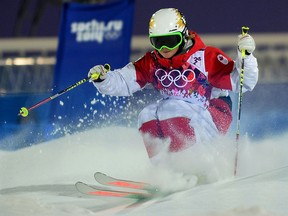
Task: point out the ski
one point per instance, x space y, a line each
100 191
110 181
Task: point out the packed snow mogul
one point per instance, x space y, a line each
194 80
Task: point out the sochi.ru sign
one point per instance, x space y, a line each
95 30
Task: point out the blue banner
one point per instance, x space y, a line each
90 34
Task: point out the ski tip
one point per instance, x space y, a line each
111 181
99 174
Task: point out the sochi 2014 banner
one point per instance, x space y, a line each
90 34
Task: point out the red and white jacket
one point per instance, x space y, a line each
200 74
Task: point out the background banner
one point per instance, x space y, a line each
90 34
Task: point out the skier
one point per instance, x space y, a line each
194 80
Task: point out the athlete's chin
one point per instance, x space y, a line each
166 55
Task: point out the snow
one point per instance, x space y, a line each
39 180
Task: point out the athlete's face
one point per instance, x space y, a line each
166 53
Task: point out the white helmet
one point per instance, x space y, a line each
165 21
167 29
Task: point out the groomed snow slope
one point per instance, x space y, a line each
40 180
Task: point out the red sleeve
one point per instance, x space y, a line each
219 66
144 69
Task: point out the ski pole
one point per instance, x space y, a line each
25 111
240 99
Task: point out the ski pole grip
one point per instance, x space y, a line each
245 30
107 67
95 76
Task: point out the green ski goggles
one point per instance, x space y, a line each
169 41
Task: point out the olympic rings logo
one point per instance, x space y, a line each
176 77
